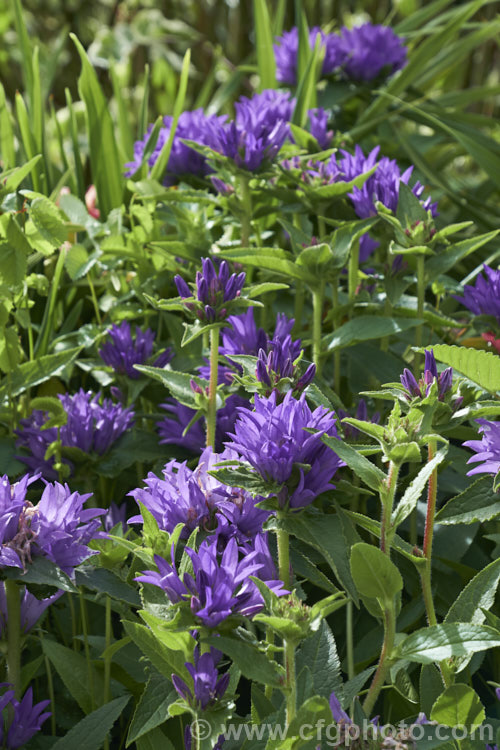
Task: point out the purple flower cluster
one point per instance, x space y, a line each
213 291
123 351
487 449
318 127
484 297
31 609
90 426
208 687
58 527
171 428
360 54
220 585
26 719
275 441
277 364
258 132
183 160
421 389
195 498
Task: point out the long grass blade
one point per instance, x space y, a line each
7 143
125 131
24 46
27 139
160 165
73 129
144 111
264 41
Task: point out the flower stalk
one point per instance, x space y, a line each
13 597
212 388
318 294
283 540
385 660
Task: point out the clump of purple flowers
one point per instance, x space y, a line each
195 498
370 49
275 441
360 54
220 585
183 160
484 297
286 50
487 449
91 426
58 527
421 388
208 687
123 351
26 721
214 291
259 130
172 429
277 364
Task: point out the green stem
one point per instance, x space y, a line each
336 353
268 691
420 306
321 228
298 307
384 663
90 674
94 299
353 271
212 388
283 540
387 499
107 659
349 640
246 218
318 293
13 598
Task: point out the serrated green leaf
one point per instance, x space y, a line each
319 653
438 642
479 502
152 709
178 383
458 705
33 373
374 574
365 328
412 493
370 474
252 662
90 732
479 366
73 670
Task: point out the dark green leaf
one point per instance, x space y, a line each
90 732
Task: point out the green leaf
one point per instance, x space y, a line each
44 573
264 45
400 545
160 165
374 574
136 446
48 221
438 642
412 493
106 166
261 706
458 705
270 259
9 348
163 659
90 732
479 366
324 533
152 709
370 474
430 687
479 502
13 264
367 327
178 383
252 662
154 740
33 373
452 255
319 653
73 670
107 582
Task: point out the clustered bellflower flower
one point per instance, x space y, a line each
274 440
487 449
58 527
214 290
195 498
208 687
258 131
27 719
359 54
184 160
421 388
91 426
484 297
278 363
123 351
220 585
